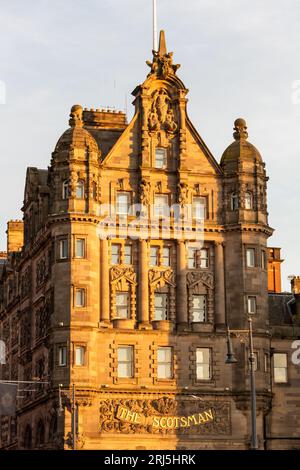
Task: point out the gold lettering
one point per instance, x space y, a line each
192 419
170 422
121 413
161 423
137 418
130 416
209 415
176 419
155 422
183 422
201 419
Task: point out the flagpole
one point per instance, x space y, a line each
155 26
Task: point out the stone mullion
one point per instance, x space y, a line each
172 309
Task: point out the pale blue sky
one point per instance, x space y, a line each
238 58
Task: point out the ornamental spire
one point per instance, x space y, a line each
240 129
162 65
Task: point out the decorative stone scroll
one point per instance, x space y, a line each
164 416
194 277
159 278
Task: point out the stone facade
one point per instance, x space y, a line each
81 289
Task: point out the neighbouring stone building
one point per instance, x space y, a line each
139 323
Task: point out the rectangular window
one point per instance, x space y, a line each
160 306
127 254
255 361
165 259
80 248
125 361
203 364
203 261
79 355
199 308
200 208
62 356
192 258
266 362
154 255
251 305
280 368
79 297
115 253
63 249
160 158
250 257
123 203
122 305
263 260
164 363
161 205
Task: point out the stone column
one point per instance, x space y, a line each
143 287
219 285
104 281
182 300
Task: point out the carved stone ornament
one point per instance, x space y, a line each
194 277
119 272
145 193
183 193
162 64
161 116
159 278
140 414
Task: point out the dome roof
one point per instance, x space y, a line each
240 148
76 136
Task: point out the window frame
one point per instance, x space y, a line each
164 159
164 308
205 206
65 190
280 382
249 299
198 309
81 239
83 291
128 203
131 361
126 246
209 364
252 250
165 363
151 257
166 207
61 241
248 197
118 307
234 201
114 245
59 362
80 185
82 348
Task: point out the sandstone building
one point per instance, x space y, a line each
105 287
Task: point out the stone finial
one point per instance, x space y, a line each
76 116
162 63
240 128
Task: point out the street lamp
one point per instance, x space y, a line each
231 359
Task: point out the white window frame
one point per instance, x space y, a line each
160 163
248 200
201 311
128 256
122 208
204 364
276 367
166 256
115 258
154 248
251 304
166 364
82 242
63 245
82 292
250 252
199 209
161 210
164 308
129 362
79 360
123 306
80 188
62 356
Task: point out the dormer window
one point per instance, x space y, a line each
248 201
80 189
234 202
65 189
160 158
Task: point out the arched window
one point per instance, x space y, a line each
248 200
28 437
65 189
40 434
80 189
234 201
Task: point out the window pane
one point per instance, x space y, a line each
234 202
164 371
166 256
280 360
250 257
127 254
204 258
80 298
248 201
252 305
199 308
160 158
192 253
199 207
154 253
263 260
80 242
203 370
125 361
124 369
161 205
65 194
115 253
164 354
62 356
125 353
63 248
122 304
280 375
80 190
160 306
122 203
79 355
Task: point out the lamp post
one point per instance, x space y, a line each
74 411
231 359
